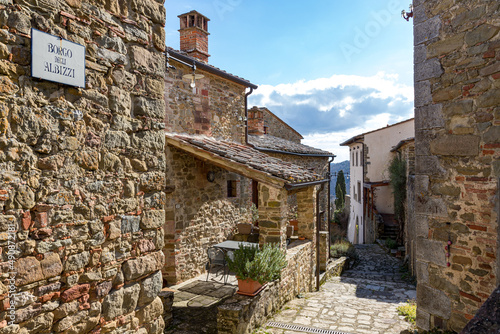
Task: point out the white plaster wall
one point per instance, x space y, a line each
356 174
380 143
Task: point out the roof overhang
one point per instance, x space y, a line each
376 184
227 164
353 140
174 55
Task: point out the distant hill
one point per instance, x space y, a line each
335 168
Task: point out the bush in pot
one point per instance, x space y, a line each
252 264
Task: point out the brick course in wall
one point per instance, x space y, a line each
82 171
457 94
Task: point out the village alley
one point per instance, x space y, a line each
363 300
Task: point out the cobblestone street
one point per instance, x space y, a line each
363 300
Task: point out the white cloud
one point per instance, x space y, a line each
384 86
328 111
331 141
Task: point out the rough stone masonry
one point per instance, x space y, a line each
82 171
457 128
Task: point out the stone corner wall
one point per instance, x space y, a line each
277 128
457 135
82 171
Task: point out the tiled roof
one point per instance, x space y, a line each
240 155
402 143
280 144
361 136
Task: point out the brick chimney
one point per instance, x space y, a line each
256 121
194 35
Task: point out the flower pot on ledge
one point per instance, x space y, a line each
249 287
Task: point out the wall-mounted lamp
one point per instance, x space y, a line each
406 15
192 77
211 176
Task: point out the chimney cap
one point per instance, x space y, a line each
193 12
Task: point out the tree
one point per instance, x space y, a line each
340 191
397 172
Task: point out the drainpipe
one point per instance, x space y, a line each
329 215
246 114
318 223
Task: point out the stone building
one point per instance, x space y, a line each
82 181
268 133
457 147
213 174
372 203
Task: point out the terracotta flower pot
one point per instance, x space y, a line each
249 287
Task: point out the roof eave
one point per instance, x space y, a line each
227 164
211 69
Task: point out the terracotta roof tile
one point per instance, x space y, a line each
250 157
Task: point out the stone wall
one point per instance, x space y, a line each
276 127
199 213
408 152
273 208
457 93
213 108
82 171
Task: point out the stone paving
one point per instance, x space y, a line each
363 300
195 304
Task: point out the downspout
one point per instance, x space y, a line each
329 204
246 114
318 223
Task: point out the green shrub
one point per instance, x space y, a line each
409 311
337 233
343 248
262 265
391 244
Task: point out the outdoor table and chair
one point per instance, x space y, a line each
217 255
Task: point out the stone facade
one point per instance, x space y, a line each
274 126
82 171
215 108
457 125
199 213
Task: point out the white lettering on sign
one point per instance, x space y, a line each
56 59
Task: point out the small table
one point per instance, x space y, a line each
231 245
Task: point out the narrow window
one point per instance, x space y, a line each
357 160
231 188
359 191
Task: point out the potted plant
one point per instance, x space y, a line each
248 228
254 267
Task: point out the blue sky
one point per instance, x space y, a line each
332 69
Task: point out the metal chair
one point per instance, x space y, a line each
216 257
